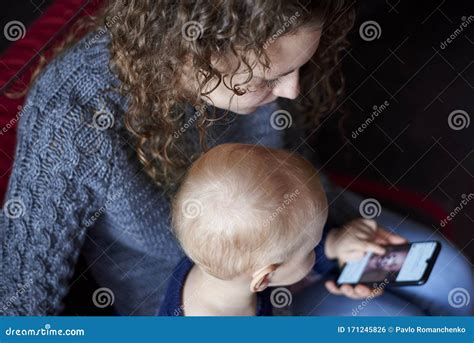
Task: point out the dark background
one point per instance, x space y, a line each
409 146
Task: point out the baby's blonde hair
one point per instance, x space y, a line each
241 207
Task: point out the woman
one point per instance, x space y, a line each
101 150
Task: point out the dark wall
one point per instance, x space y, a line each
412 143
25 11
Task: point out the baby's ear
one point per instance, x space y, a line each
261 278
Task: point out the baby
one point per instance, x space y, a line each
248 218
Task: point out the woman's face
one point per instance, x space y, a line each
287 54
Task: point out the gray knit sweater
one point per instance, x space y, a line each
77 186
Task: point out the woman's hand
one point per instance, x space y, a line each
352 242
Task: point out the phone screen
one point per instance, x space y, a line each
402 263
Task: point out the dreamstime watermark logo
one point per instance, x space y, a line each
96 215
459 297
190 122
103 120
196 294
12 122
465 23
192 208
14 208
458 120
20 290
47 330
288 199
14 30
281 120
378 289
281 297
377 110
192 30
370 30
465 200
109 22
103 297
287 24
370 208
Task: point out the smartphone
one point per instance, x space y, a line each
401 265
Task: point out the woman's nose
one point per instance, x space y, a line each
289 86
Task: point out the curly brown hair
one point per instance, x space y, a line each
149 50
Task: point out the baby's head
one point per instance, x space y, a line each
251 213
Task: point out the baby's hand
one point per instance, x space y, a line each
350 243
357 237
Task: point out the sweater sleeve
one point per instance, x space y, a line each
60 172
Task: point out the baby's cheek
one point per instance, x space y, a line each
307 265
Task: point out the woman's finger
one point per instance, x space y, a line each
370 223
362 291
381 241
362 227
375 248
348 291
332 288
352 255
392 238
367 246
358 292
376 292
361 235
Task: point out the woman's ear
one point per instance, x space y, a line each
261 278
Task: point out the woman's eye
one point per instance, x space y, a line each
271 83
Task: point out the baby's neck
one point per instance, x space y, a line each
205 295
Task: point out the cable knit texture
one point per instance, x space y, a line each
77 186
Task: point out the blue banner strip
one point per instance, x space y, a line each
237 329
